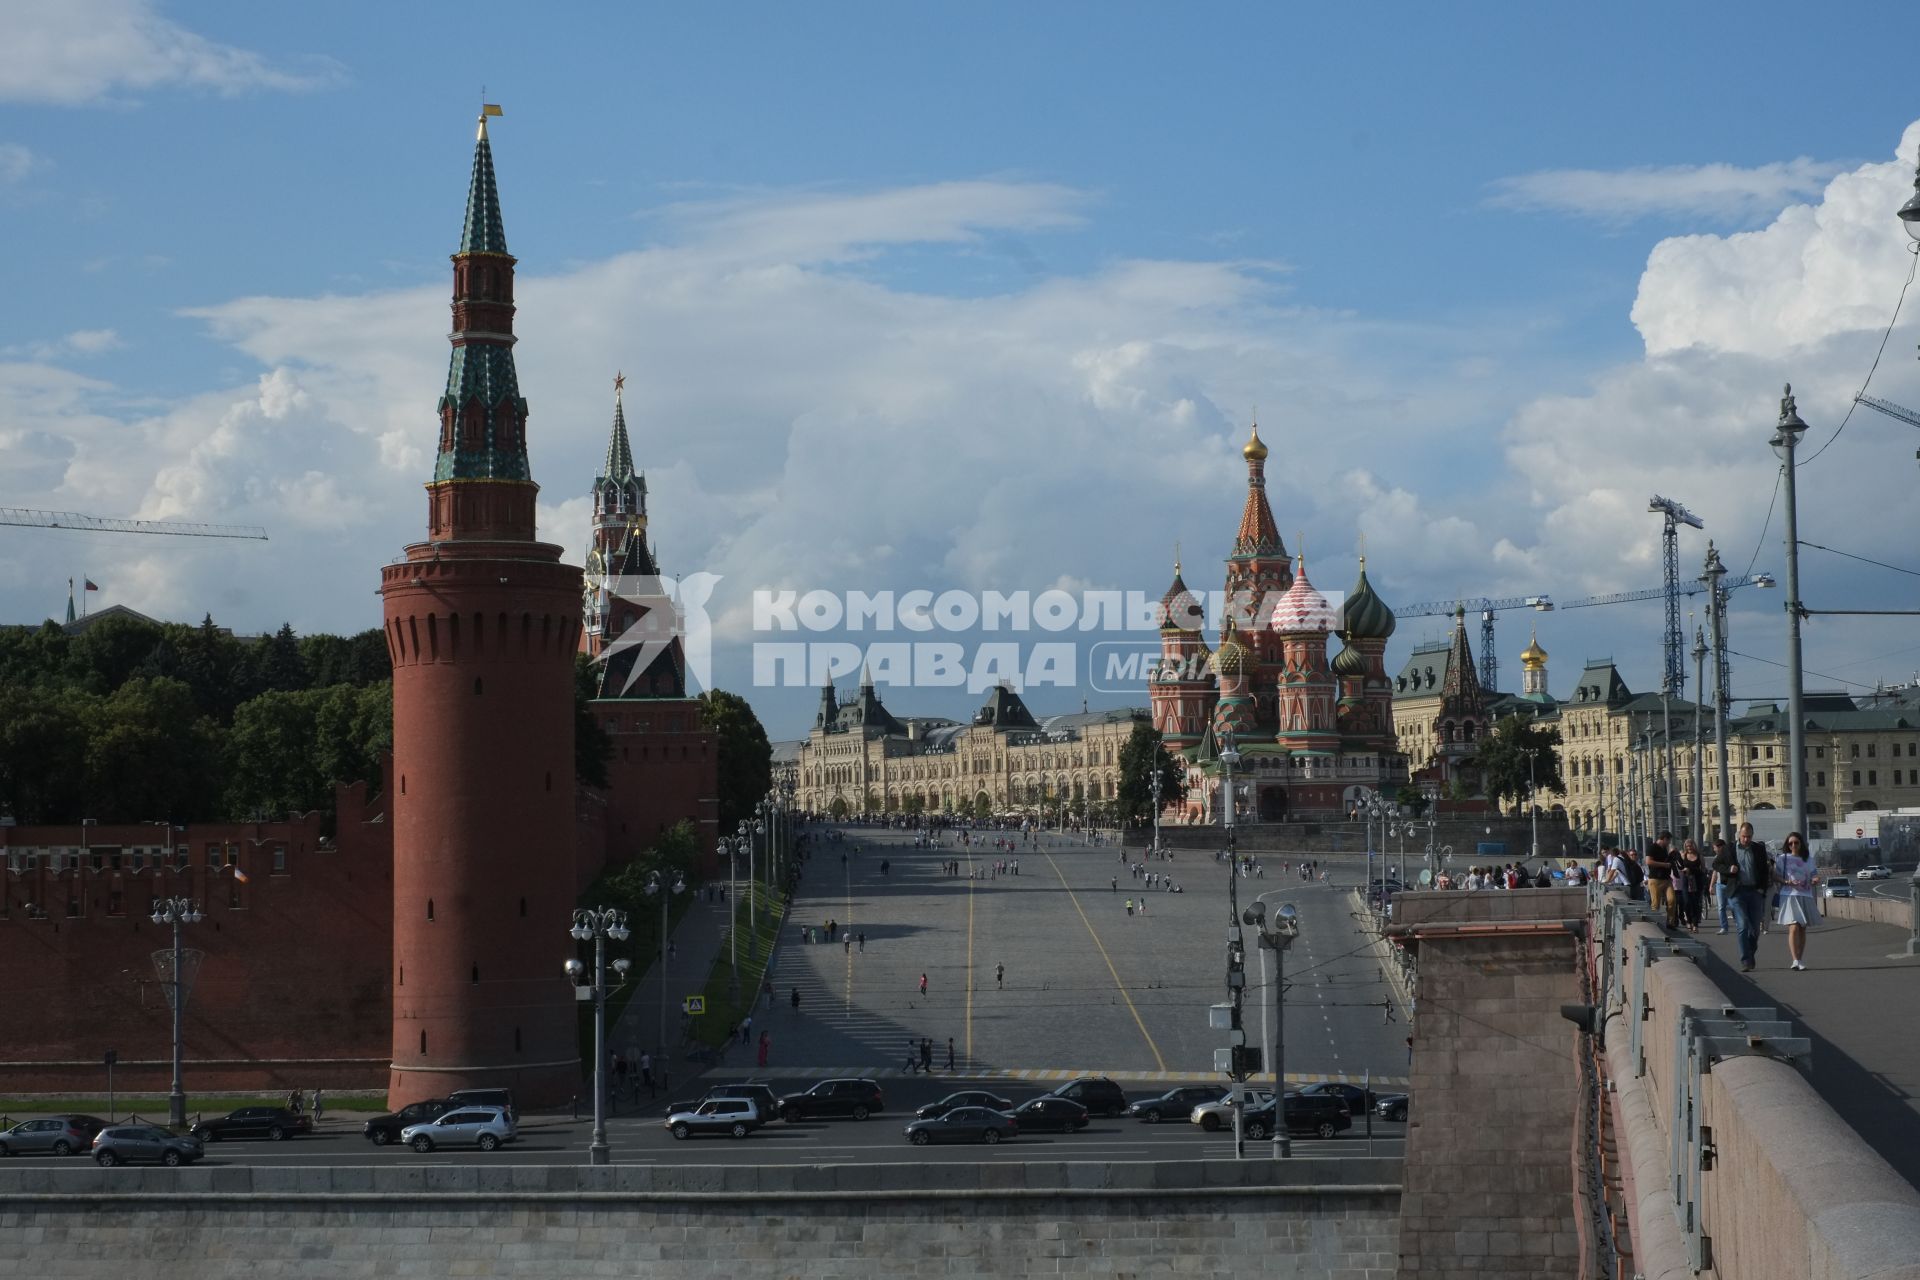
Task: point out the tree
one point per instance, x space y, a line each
1503 757
43 751
151 754
360 659
592 748
271 764
1412 799
279 663
746 757
1138 758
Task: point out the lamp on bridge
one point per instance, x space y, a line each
598 925
177 912
1277 934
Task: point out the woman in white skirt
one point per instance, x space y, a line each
1795 873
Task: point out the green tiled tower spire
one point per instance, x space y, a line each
482 414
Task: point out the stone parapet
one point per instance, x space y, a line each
1872 908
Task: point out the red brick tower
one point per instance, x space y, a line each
482 623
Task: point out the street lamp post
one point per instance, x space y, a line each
657 887
1714 576
177 912
1697 820
1236 953
1785 440
752 829
1155 766
731 847
597 925
1277 935
1533 802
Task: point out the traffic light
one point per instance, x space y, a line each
1246 1060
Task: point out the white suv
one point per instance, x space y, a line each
1213 1116
735 1117
1876 873
482 1127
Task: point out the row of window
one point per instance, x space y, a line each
30 858
73 906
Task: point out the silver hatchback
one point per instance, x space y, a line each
131 1143
482 1127
50 1135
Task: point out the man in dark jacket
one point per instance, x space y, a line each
1746 870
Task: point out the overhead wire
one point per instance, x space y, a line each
1879 564
1913 251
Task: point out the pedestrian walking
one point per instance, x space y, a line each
849 942
923 984
949 1054
926 1055
1000 976
796 999
766 1043
1116 884
673 951
913 1056
295 1102
646 1072
319 1108
766 989
1748 871
1129 906
1798 876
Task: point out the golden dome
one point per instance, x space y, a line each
1533 657
1254 451
1230 659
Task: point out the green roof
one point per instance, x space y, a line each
484 232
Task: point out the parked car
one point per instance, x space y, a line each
1308 1115
1099 1095
964 1124
845 1097
1213 1116
482 1127
1174 1104
127 1143
1876 872
735 1117
51 1135
271 1123
382 1130
1050 1113
764 1100
1837 887
1358 1101
1391 1106
501 1098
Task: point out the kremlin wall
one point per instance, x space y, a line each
416 942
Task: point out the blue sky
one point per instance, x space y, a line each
928 294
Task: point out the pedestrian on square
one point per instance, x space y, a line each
1000 976
1748 871
1115 882
766 989
766 1044
913 1056
646 1072
926 1055
863 944
923 984
796 999
949 1054
1797 908
1129 906
319 1108
849 942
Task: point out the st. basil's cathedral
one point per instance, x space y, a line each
1308 730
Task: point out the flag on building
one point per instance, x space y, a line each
90 584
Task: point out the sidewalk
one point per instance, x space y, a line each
699 941
1859 1002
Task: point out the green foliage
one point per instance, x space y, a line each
746 757
982 806
837 808
592 747
286 750
1502 759
1413 800
1138 758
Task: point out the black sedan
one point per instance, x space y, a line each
1050 1114
1358 1101
964 1124
1391 1106
1174 1104
382 1130
964 1098
271 1123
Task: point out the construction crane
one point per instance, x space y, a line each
109 524
1489 655
1672 516
1898 413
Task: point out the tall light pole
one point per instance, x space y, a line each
177 912
1236 953
1697 822
1714 576
1533 802
1277 935
752 829
1156 767
731 847
657 887
596 925
1786 438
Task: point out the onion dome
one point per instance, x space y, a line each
1301 609
1365 616
1230 659
1254 451
1179 609
1533 657
1349 662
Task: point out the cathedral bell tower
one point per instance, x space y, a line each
482 623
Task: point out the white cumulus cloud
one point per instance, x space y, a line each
1720 192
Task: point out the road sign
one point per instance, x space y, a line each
694 1005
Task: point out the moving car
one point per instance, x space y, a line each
51 1135
1358 1101
1315 1115
271 1123
1099 1095
482 1127
1050 1114
1174 1104
1391 1106
964 1098
1878 871
845 1097
127 1143
735 1117
1213 1116
381 1130
1837 887
501 1098
964 1124
764 1100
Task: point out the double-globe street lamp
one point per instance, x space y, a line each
598 924
658 887
1277 933
177 912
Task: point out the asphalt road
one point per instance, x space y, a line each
1086 987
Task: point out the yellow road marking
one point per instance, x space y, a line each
1074 899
